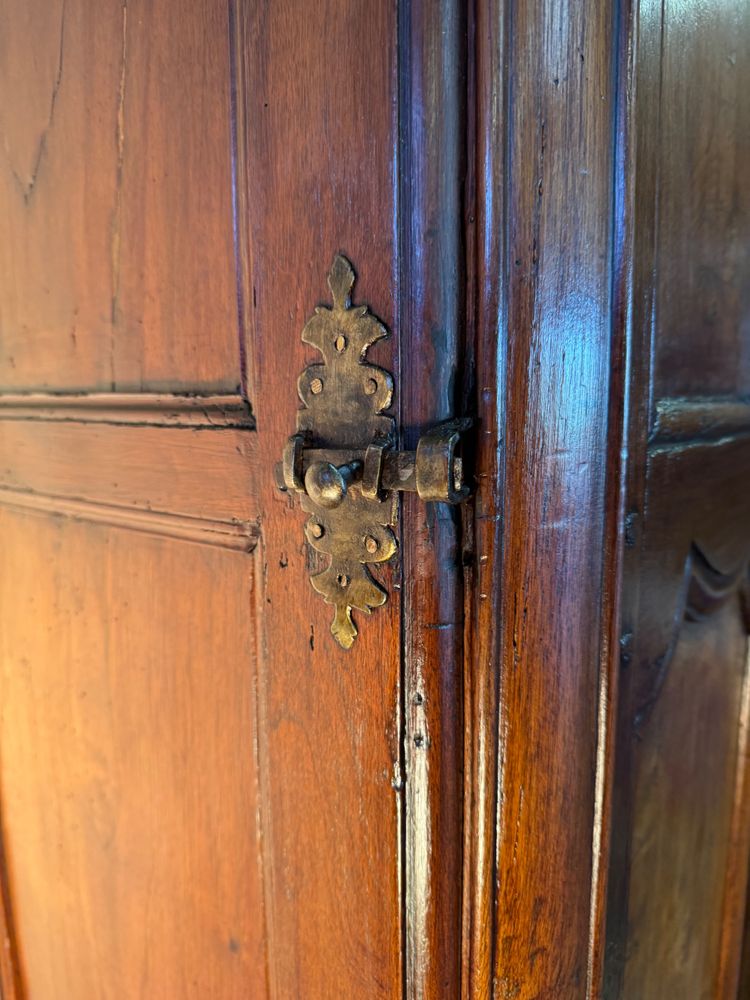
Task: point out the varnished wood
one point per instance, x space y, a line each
117 256
128 775
485 353
684 849
193 471
544 583
543 736
678 868
330 721
241 537
681 420
432 55
703 200
123 408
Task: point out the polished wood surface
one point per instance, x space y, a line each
529 776
129 519
116 263
702 294
331 721
129 782
544 601
681 812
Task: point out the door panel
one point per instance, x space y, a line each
117 259
129 783
690 795
680 819
317 130
703 203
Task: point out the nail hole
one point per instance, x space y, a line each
343 580
418 699
419 740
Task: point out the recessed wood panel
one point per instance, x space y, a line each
686 758
699 120
128 772
117 259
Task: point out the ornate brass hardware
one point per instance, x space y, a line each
343 460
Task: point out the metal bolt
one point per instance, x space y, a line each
371 386
371 544
316 386
317 530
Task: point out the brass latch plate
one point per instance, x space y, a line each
343 459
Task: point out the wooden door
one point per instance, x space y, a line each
202 794
526 778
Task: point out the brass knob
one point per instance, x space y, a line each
326 484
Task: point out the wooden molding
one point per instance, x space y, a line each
679 420
239 535
153 409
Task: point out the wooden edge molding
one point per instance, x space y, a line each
241 536
159 410
679 420
702 592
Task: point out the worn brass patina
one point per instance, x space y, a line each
343 459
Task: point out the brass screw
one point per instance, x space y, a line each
340 343
371 386
371 544
316 386
317 530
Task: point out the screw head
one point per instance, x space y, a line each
371 386
343 580
371 544
317 530
340 343
316 386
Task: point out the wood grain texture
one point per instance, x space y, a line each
129 408
681 815
552 591
680 821
682 839
486 314
239 536
432 55
319 86
133 701
117 257
197 472
702 293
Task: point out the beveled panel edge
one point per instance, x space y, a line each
152 409
241 536
678 420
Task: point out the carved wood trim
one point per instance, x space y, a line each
680 420
154 409
242 536
703 591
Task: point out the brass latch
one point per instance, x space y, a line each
343 459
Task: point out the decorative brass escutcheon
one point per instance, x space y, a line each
343 460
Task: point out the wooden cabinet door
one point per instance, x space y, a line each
203 795
527 777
